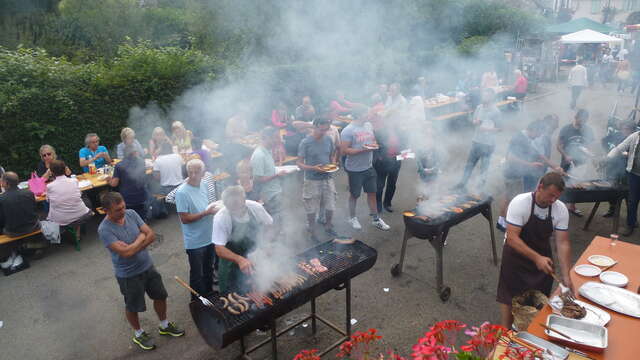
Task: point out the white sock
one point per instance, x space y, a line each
502 221
138 332
164 323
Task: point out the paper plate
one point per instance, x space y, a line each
600 260
614 278
587 270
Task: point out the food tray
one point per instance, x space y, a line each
611 297
595 315
586 335
557 351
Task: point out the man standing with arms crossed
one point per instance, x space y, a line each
126 237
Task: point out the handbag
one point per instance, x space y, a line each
37 185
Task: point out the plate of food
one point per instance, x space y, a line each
289 169
373 146
409 214
329 168
579 310
600 260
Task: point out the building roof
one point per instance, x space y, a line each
577 25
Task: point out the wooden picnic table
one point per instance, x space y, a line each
623 330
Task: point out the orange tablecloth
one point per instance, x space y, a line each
624 331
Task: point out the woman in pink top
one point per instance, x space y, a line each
65 199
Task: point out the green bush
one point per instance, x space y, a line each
44 99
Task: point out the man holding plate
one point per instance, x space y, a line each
526 256
318 188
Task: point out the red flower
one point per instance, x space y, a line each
359 339
307 355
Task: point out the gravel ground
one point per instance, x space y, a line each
68 306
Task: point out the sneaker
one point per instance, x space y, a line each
144 342
609 213
321 219
172 330
17 261
7 264
331 232
355 224
628 231
380 224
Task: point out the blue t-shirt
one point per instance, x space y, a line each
110 232
192 200
85 153
132 176
359 135
316 152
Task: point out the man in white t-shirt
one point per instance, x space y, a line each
236 229
526 257
167 170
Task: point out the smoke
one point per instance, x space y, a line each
352 46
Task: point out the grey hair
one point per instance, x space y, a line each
88 137
232 192
195 163
126 132
50 148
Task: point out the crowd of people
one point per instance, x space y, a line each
366 140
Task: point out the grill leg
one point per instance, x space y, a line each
313 316
489 216
591 215
616 215
396 270
439 247
274 339
348 307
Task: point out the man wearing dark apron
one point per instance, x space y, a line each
526 257
236 231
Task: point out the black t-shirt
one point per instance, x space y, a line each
574 140
42 168
520 147
131 172
18 211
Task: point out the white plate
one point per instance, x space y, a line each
595 315
600 260
587 270
614 278
287 168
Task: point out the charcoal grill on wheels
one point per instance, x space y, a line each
592 193
436 230
220 328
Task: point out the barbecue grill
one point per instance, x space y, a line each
436 229
597 191
220 328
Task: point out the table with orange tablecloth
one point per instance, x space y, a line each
624 331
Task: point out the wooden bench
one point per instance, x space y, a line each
452 116
221 176
289 159
5 239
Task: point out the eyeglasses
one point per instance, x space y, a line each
47 154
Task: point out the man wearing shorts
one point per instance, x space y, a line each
318 188
358 143
126 236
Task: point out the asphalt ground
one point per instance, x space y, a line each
68 305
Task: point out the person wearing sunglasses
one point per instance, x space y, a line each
93 152
47 155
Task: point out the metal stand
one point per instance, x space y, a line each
437 240
314 317
615 217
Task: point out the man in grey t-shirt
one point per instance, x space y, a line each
485 119
318 188
358 143
126 237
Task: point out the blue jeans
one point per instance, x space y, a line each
201 262
634 198
479 153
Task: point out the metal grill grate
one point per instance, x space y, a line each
219 327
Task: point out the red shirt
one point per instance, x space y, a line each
521 85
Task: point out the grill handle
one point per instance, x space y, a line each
186 286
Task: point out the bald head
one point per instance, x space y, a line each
10 180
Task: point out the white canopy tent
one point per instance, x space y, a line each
588 37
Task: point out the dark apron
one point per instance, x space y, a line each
519 274
241 242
